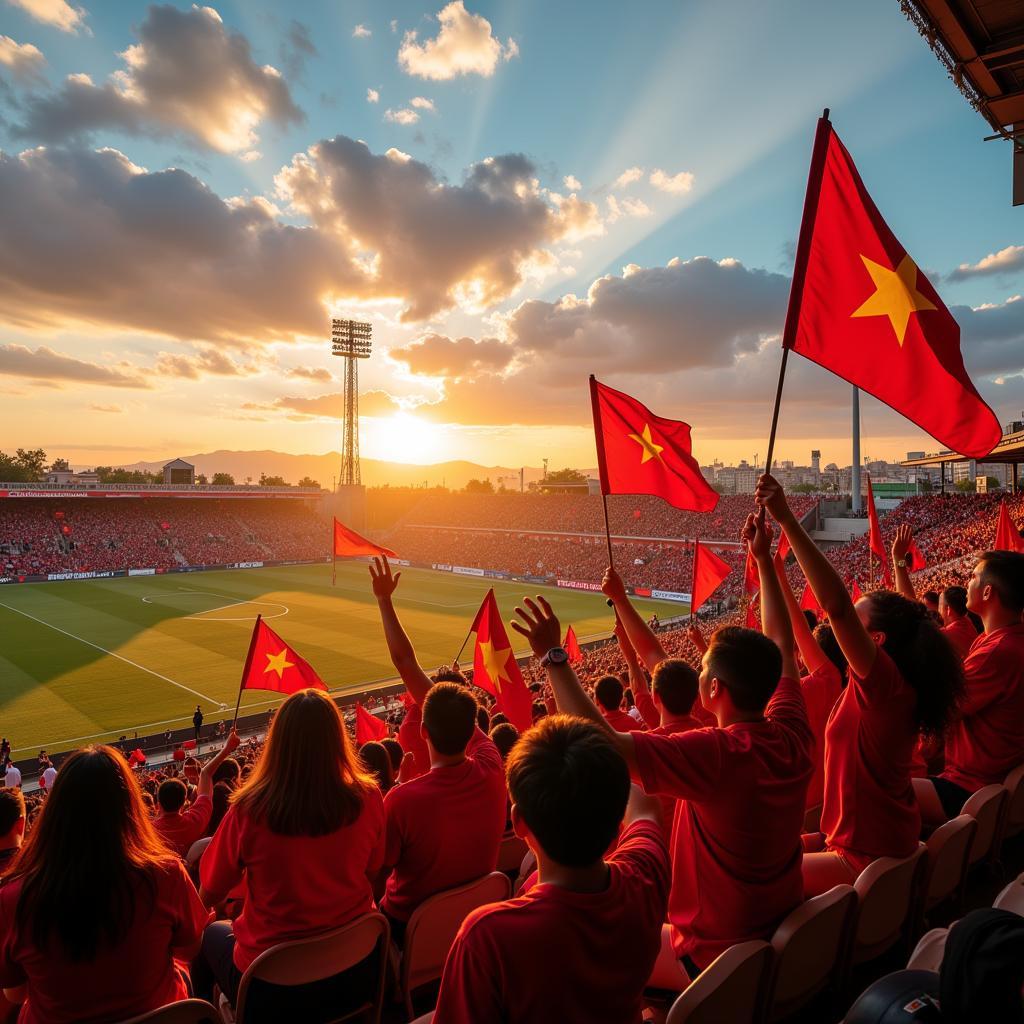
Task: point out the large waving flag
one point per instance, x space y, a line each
1008 537
495 668
272 665
708 573
347 543
860 307
640 453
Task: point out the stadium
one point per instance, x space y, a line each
555 705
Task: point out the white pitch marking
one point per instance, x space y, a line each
113 654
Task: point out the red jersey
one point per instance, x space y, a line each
736 849
444 829
134 976
412 741
620 721
961 634
822 689
987 739
553 955
180 831
870 743
296 886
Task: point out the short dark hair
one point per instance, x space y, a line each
830 647
497 718
538 710
811 618
930 597
483 720
956 599
504 737
228 771
171 795
676 684
395 752
449 717
608 691
571 787
1003 571
12 808
448 675
747 663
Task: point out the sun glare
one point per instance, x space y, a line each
403 437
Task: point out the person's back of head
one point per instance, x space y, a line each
504 737
675 684
830 647
483 720
309 781
12 810
171 796
378 763
569 787
953 603
608 692
449 718
395 752
86 856
998 576
924 656
746 663
228 771
931 600
497 718
221 802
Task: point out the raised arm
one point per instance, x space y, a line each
810 650
775 622
900 546
641 636
400 648
637 679
541 628
827 585
204 787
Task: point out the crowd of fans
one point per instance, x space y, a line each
677 792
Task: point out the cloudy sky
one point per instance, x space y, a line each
515 194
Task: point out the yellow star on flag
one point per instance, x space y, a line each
896 295
278 663
646 442
496 662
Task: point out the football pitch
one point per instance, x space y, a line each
89 660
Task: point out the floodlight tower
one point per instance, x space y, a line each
351 340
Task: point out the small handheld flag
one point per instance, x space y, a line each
876 546
572 647
1008 537
709 572
349 544
808 602
368 727
495 668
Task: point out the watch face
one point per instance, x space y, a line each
557 656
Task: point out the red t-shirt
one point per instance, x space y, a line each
412 741
822 689
552 955
736 849
961 634
621 722
180 831
297 886
444 828
134 976
870 743
987 739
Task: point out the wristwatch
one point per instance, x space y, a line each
556 656
901 563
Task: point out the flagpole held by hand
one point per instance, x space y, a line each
464 642
245 669
693 575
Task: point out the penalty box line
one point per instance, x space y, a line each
113 654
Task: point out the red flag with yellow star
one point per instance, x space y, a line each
640 453
860 307
495 668
272 665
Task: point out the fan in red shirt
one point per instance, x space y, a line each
306 831
444 828
741 787
904 681
581 942
986 739
608 692
180 827
96 914
957 625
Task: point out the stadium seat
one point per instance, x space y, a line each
195 851
733 988
434 925
323 956
928 953
1012 897
888 890
1014 786
187 1011
810 950
511 853
946 863
986 807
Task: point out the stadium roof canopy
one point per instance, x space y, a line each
1009 450
981 45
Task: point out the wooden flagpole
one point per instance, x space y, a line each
602 469
693 575
245 670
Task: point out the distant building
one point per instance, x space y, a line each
180 472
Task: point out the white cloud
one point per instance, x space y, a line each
463 46
572 183
628 207
628 176
361 32
422 103
58 13
1006 261
251 156
44 364
394 24
403 116
24 60
372 96
674 184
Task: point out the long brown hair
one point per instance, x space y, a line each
309 781
81 864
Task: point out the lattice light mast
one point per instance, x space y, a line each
351 340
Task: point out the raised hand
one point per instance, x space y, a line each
770 494
758 534
612 585
902 541
539 625
382 580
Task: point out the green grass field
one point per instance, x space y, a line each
89 660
